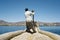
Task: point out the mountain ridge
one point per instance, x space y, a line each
23 23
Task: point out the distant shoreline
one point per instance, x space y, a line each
23 23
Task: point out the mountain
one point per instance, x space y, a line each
4 23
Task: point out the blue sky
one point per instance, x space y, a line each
45 10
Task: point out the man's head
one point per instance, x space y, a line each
26 9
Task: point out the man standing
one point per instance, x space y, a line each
29 20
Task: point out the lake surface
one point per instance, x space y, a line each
5 29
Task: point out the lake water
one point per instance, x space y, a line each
5 29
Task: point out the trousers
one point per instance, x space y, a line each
30 25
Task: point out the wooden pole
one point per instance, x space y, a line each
33 20
33 17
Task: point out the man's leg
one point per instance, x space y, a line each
33 27
28 26
36 26
34 31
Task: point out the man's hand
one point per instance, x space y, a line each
32 10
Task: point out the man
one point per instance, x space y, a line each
29 20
